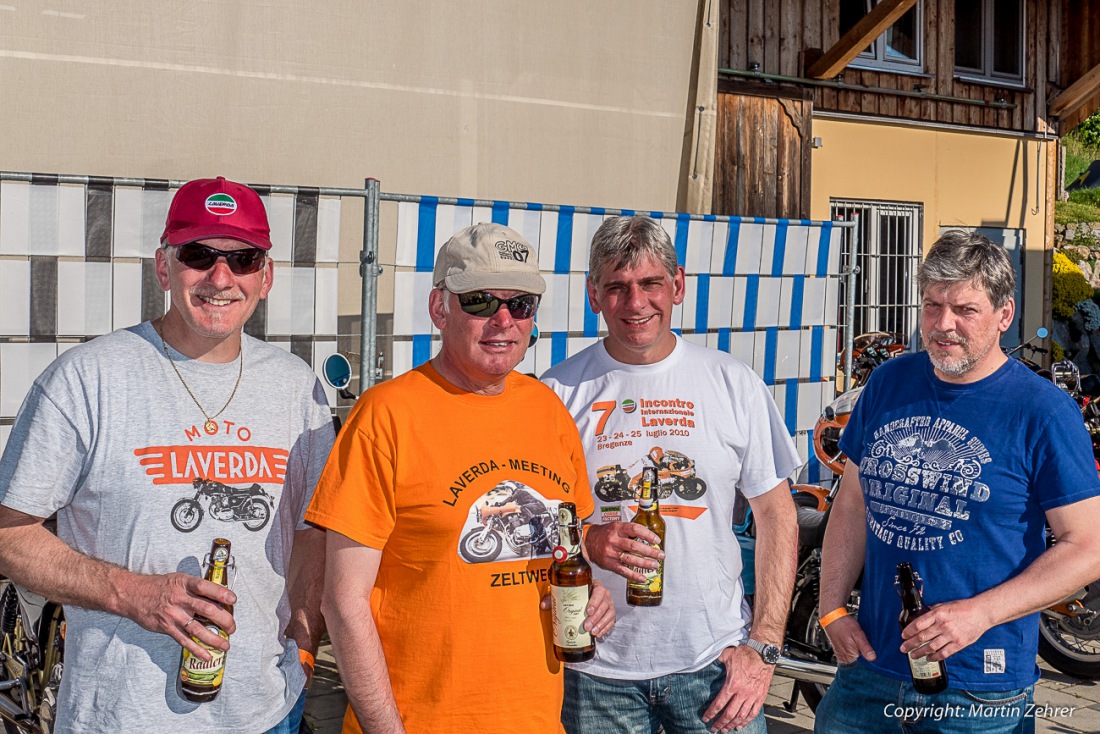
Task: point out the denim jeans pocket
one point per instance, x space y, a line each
996 699
847 666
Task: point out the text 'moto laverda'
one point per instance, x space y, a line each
250 506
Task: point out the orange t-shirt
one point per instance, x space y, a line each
460 492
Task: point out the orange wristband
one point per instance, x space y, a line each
833 616
306 658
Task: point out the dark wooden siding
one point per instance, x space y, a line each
778 36
762 158
1081 52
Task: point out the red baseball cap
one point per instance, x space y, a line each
213 207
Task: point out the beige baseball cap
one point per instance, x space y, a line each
488 256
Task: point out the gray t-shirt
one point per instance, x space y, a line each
109 439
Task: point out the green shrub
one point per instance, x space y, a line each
1069 287
1056 352
1088 132
1072 256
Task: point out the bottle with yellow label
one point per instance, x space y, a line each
648 593
570 590
201 680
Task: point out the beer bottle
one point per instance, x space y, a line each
570 587
201 680
928 676
648 593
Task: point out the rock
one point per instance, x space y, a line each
1071 232
1078 252
1088 269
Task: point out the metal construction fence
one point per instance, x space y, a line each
353 270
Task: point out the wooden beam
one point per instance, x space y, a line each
869 27
1076 93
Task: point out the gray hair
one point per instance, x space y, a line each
625 241
965 257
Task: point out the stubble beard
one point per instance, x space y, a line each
954 367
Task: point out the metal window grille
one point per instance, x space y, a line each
886 246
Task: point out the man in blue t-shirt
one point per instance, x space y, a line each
957 457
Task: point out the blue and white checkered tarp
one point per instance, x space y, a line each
763 290
76 261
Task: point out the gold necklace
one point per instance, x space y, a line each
210 426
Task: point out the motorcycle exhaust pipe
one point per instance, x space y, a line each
808 671
9 712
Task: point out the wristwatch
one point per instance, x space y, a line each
770 653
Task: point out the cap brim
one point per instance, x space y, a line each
509 281
194 234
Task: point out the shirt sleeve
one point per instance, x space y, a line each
356 494
313 448
770 456
44 458
1064 468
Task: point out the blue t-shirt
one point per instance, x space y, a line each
956 480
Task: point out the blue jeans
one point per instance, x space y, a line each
863 701
293 720
595 705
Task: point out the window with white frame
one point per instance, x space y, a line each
900 48
989 41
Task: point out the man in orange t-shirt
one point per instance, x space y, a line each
439 498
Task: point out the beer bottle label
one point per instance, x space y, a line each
197 671
567 604
923 668
653 576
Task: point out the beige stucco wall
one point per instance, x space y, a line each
563 102
961 178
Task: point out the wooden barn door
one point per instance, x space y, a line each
762 156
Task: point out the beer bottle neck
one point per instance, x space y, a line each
570 538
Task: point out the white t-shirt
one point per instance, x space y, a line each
110 440
713 426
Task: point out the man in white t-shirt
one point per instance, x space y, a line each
701 660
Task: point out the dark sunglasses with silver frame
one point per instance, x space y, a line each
201 257
484 304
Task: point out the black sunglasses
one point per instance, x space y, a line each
480 303
201 257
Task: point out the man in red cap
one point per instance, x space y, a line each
149 443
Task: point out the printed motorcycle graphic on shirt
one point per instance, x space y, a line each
510 519
919 476
250 506
675 473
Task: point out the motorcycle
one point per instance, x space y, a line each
31 653
250 506
675 473
507 523
871 350
1069 631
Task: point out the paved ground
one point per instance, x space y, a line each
1073 706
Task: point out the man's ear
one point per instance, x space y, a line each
269 277
590 288
1006 315
436 309
679 287
161 264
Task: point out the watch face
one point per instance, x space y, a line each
770 654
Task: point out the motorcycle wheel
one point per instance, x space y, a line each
261 513
1070 645
607 491
804 628
480 552
691 488
186 515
